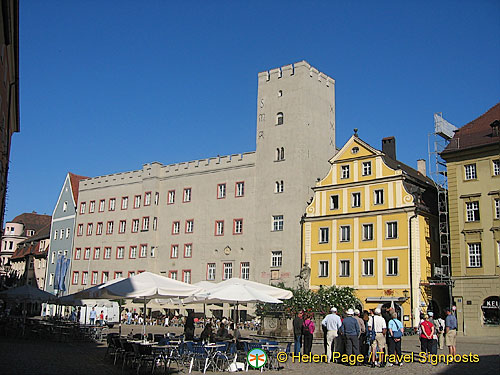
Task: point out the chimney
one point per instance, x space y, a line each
389 147
421 166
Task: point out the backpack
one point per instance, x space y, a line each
397 334
370 333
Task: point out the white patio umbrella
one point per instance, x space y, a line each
264 288
146 286
231 293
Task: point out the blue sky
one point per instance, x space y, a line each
107 86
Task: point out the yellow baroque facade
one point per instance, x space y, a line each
372 226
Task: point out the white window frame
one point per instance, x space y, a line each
390 264
90 228
496 203
123 226
91 207
390 228
324 235
172 275
124 203
211 270
474 255
188 250
496 167
145 223
238 226
345 233
112 204
76 278
276 258
171 197
366 231
176 227
470 172
189 226
221 191
378 196
137 201
278 223
245 270
174 251
147 198
367 168
368 267
120 252
472 211
95 278
98 229
219 228
133 252
279 187
344 271
135 225
356 199
143 251
345 172
85 277
240 189
83 207
102 205
107 252
323 267
109 227
227 270
186 276
186 196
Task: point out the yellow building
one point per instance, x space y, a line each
473 166
372 226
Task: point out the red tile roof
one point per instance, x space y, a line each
476 133
31 245
32 221
75 182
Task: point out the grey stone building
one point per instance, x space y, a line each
216 218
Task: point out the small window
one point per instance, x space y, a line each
355 150
279 118
157 198
227 270
176 226
187 195
143 252
186 276
123 226
211 271
107 253
496 167
189 226
280 154
219 228
155 223
120 251
245 270
137 201
497 208
188 250
367 267
174 251
324 235
276 258
83 207
345 172
80 230
172 275
98 229
356 200
345 268
124 203
472 211
345 233
85 277
76 277
475 260
135 225
65 206
221 191
391 230
240 189
133 252
147 198
334 202
279 187
102 204
378 196
278 222
171 197
470 172
367 232
105 277
90 228
112 203
97 253
280 93
238 226
367 168
109 227
323 268
145 224
391 266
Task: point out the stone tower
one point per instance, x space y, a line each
295 140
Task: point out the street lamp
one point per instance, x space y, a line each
405 294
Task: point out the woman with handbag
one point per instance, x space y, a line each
396 331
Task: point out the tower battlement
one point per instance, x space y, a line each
301 68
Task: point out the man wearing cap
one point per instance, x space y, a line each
332 324
434 341
350 330
451 332
377 323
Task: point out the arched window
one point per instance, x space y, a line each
279 118
491 311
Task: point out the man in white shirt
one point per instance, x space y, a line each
377 323
332 324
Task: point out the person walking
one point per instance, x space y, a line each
362 330
331 324
426 333
298 323
396 331
350 330
451 326
379 327
93 316
309 329
440 332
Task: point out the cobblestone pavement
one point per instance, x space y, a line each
20 356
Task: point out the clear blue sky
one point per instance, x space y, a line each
107 86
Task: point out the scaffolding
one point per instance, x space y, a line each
437 142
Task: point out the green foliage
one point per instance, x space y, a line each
318 302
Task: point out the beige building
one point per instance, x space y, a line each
473 165
216 218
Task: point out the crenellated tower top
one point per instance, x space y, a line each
299 68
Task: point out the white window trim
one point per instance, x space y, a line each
363 267
348 268
387 266
320 268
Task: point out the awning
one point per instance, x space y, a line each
385 299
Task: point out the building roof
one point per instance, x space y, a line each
476 133
32 221
75 182
31 245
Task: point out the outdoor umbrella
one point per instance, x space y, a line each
264 288
231 293
27 293
146 286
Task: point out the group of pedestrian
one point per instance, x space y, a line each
436 333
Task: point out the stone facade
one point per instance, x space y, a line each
227 216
